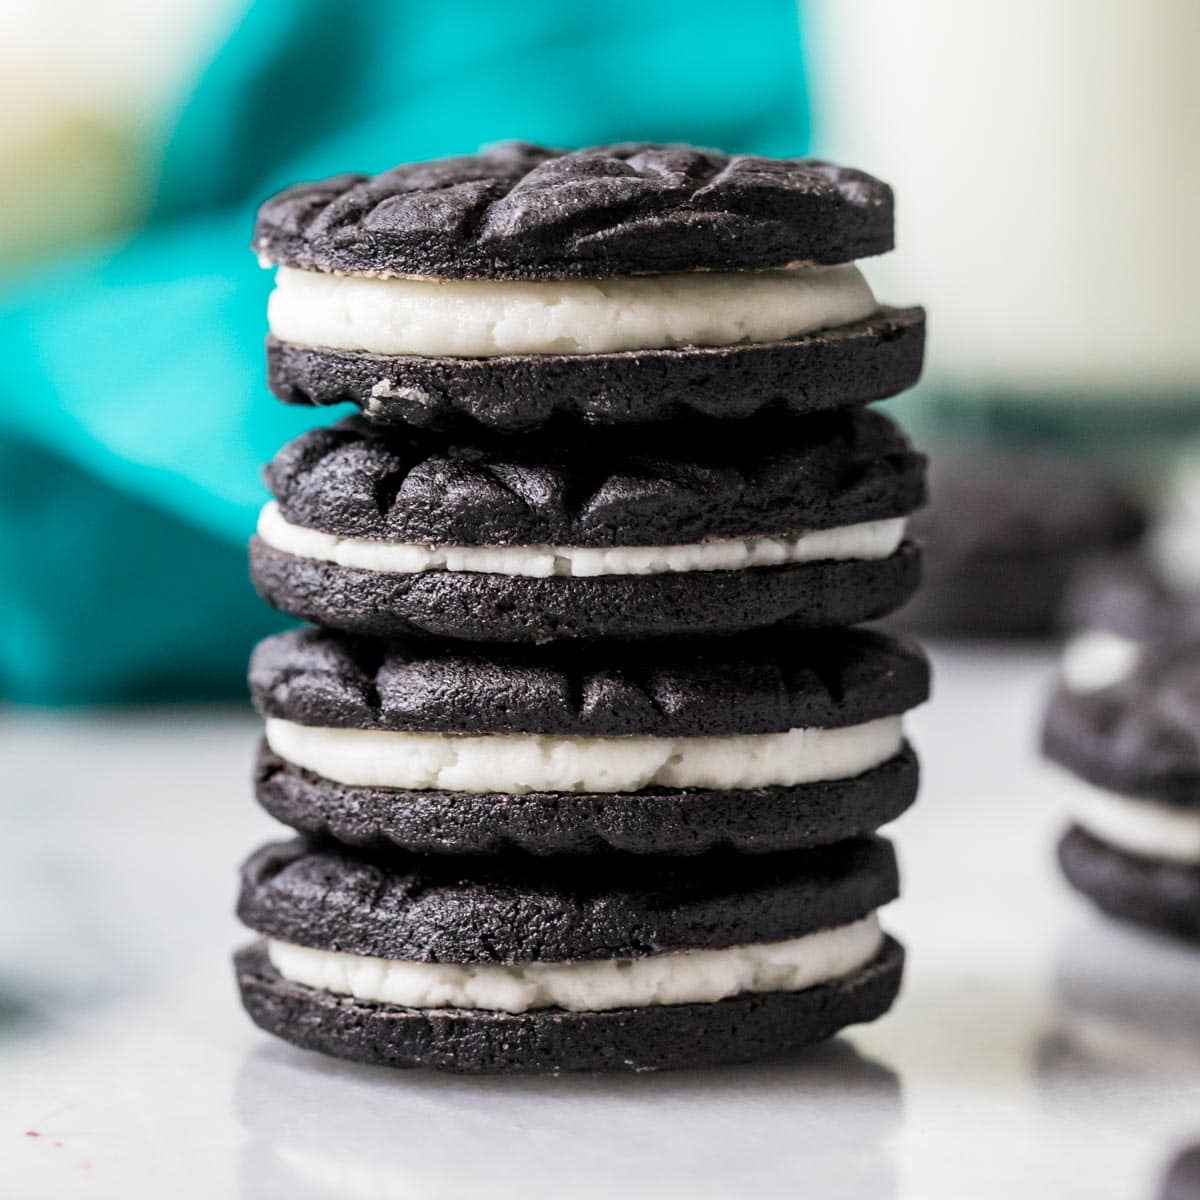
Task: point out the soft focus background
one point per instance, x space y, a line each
133 410
1046 158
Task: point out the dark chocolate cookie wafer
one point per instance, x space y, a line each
657 820
478 607
758 743
1137 737
1162 895
844 367
517 965
511 909
1002 536
762 683
385 533
520 211
775 476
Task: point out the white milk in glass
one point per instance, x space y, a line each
1046 156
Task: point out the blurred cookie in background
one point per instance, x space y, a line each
1134 844
1182 1180
1003 534
1116 607
1124 1007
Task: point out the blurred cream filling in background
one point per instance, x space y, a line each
865 540
684 977
515 764
481 318
1142 827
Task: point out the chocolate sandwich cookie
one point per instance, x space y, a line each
1002 536
1134 848
1117 606
623 284
519 965
763 742
791 519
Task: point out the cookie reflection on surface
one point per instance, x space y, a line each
1125 1003
348 1131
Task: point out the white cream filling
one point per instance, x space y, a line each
1096 659
866 540
1142 827
481 318
519 763
685 977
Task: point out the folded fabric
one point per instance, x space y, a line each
133 410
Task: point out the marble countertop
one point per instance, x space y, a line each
1036 1051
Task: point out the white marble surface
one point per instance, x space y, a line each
1035 1052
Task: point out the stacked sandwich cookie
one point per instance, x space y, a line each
586 761
713 530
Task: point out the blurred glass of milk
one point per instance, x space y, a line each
1046 159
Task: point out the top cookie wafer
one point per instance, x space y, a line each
519 211
625 284
1137 736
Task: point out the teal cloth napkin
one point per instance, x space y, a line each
134 416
